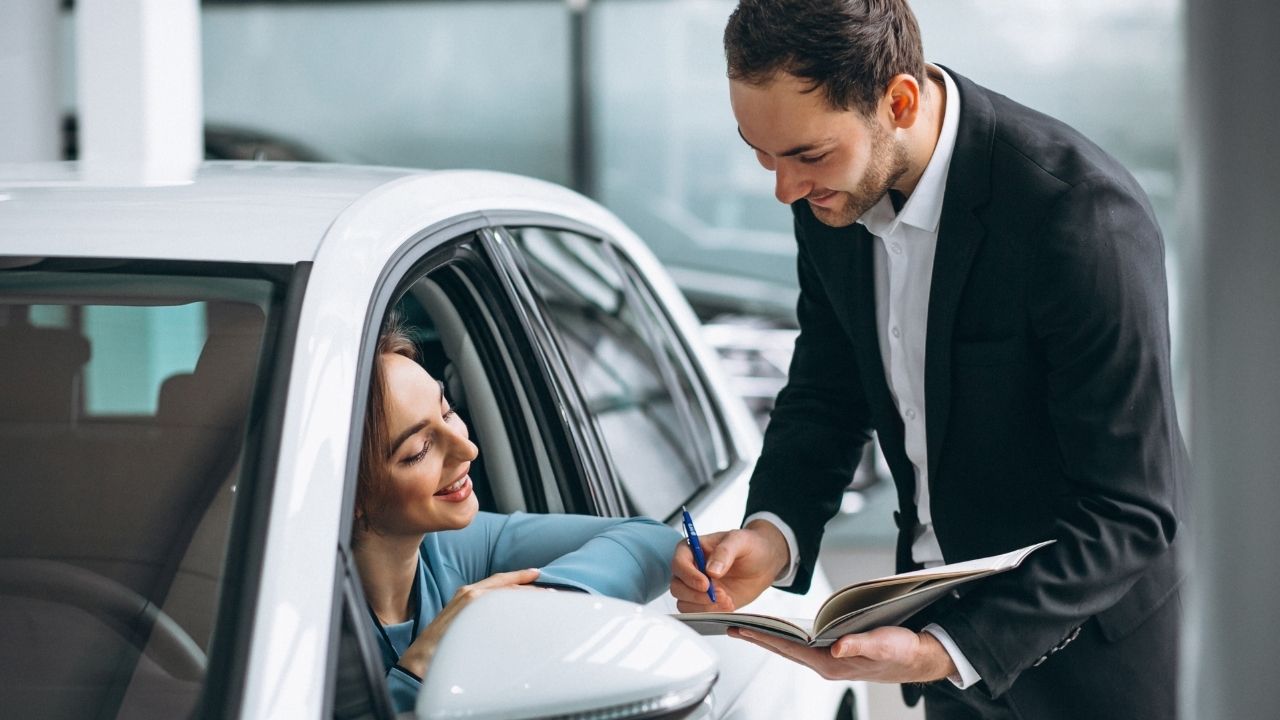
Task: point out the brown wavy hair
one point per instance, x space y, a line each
371 476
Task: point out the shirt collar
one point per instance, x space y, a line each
923 208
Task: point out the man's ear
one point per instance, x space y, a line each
901 101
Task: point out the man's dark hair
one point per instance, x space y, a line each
850 49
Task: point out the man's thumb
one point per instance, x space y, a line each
846 647
725 553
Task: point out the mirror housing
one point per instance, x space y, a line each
522 654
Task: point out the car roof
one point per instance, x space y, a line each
259 212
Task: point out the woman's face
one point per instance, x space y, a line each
427 482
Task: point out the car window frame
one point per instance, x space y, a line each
636 290
595 477
725 450
467 243
416 252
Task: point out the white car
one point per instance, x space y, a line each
182 377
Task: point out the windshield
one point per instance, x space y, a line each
124 403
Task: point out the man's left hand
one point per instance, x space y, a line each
886 654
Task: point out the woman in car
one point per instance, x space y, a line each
423 548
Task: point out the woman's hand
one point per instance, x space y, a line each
417 657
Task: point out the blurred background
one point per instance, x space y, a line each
626 101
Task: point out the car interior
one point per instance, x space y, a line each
114 533
114 529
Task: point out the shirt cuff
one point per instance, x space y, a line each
966 676
786 576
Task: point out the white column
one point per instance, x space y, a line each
30 119
1233 177
139 93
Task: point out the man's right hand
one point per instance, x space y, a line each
743 563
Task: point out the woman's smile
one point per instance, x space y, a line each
457 491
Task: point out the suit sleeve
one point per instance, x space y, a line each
1098 307
628 558
819 423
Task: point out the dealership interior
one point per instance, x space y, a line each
626 102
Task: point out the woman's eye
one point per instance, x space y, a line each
415 459
449 415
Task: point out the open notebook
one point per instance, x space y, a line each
864 605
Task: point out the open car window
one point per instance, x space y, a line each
126 404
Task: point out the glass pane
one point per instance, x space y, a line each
123 407
397 83
672 166
135 350
610 350
708 435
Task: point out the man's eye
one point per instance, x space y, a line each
811 159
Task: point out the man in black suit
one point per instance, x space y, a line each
984 288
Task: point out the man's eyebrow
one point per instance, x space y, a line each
797 150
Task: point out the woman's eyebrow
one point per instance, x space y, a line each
408 433
416 427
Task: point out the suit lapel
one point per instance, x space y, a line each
960 232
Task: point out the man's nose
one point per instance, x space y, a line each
788 185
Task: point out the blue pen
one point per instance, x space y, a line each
691 536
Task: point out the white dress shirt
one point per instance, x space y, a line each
906 241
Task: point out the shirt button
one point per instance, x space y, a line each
911 414
896 332
896 248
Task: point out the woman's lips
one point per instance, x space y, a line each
458 491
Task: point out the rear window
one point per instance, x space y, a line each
124 405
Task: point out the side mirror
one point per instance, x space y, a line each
521 654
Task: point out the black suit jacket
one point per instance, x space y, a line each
1050 410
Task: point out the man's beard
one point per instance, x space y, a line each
887 165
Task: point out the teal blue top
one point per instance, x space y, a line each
623 558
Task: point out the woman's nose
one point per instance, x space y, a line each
460 447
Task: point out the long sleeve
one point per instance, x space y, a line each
628 558
403 687
623 558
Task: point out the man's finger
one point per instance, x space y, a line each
726 552
689 600
683 591
813 657
694 606
849 646
685 570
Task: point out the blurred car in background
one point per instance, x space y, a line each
183 372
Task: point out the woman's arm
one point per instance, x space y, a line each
404 678
628 558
